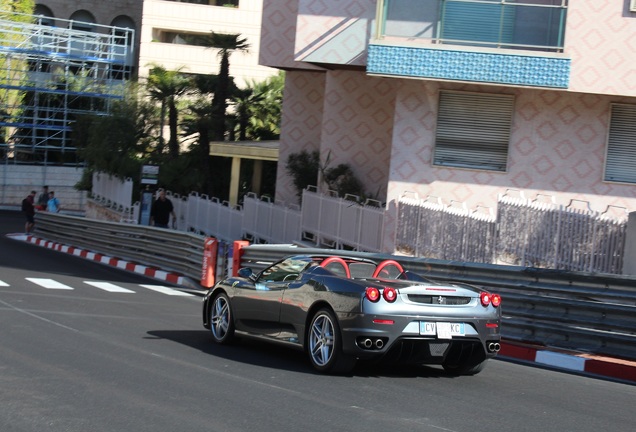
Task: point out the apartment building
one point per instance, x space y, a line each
170 28
462 100
165 30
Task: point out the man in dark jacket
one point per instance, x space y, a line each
161 211
29 212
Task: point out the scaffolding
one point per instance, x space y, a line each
50 75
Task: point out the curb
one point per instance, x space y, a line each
152 272
578 362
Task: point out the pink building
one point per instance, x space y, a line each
462 100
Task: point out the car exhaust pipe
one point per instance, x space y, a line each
494 347
379 343
367 343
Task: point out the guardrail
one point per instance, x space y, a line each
595 313
589 312
167 249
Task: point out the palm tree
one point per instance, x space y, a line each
258 109
165 87
244 103
226 44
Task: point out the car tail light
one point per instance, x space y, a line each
495 300
389 294
485 298
372 294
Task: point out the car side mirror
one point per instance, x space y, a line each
245 272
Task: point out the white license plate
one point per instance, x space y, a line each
443 330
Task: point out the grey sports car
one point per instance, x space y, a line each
341 309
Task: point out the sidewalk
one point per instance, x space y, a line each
559 359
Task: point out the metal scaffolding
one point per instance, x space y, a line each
49 75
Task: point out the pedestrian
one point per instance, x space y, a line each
28 208
161 211
53 204
43 198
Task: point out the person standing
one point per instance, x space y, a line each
161 211
43 198
53 204
28 208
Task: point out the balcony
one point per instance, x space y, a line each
486 41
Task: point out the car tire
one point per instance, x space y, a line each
324 344
470 363
221 319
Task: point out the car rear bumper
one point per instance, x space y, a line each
369 337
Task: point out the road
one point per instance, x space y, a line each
85 347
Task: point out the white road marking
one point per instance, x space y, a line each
3 283
107 286
166 290
49 283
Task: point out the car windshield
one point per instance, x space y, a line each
285 270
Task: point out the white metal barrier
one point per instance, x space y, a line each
112 191
213 217
264 221
341 222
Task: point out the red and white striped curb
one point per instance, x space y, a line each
174 278
589 364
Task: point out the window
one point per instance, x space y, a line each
82 20
473 130
620 165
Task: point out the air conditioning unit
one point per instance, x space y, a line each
632 5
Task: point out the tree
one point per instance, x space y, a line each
303 168
118 143
226 44
165 87
244 104
18 11
258 109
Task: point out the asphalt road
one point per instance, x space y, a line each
85 347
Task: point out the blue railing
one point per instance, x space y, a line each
537 25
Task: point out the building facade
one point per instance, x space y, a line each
462 100
169 28
164 30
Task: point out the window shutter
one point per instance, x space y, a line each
621 145
477 22
473 130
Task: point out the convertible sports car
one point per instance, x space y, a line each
341 309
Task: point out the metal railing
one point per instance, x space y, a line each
590 312
574 310
169 250
113 192
483 23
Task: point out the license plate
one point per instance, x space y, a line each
443 330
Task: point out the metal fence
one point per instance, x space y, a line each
574 310
322 220
113 192
342 223
524 232
589 312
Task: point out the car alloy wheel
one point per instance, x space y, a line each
221 319
325 351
